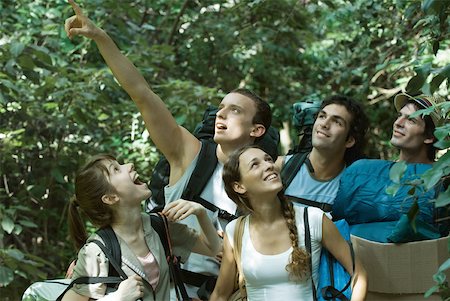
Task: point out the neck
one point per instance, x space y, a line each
326 165
225 150
128 222
267 210
414 157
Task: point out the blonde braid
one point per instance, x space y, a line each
298 266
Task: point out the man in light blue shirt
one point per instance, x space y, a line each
337 140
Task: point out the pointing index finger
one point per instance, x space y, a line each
76 8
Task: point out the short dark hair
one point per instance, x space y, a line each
263 111
359 125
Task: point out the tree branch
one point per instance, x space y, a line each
177 21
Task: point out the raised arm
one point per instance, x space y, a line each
177 144
333 241
208 242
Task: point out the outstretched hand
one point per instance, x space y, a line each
180 209
79 24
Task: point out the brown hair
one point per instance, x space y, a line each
263 112
298 266
91 184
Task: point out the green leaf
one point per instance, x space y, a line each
442 132
416 82
439 277
433 6
412 214
7 224
442 75
443 198
181 119
442 144
17 229
6 276
431 291
103 117
57 175
16 48
444 266
16 254
431 177
28 224
443 162
393 189
50 105
397 170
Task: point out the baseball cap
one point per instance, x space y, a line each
423 101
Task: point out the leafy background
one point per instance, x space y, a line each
59 103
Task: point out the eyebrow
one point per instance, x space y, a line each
338 117
400 113
233 105
112 164
249 164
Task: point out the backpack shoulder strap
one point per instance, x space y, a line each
111 243
237 239
111 281
116 264
292 166
90 280
308 248
160 225
206 164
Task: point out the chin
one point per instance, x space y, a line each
148 194
395 143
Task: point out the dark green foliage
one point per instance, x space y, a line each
59 103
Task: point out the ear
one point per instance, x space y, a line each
429 140
239 188
258 130
350 142
110 199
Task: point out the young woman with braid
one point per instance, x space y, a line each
274 260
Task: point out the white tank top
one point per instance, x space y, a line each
266 277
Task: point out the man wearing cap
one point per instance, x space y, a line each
414 136
362 199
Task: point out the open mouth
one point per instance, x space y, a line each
322 134
221 126
271 177
137 181
397 133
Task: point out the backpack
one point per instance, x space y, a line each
206 164
334 280
304 115
55 289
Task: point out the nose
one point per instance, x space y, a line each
269 165
324 123
130 166
399 122
221 113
